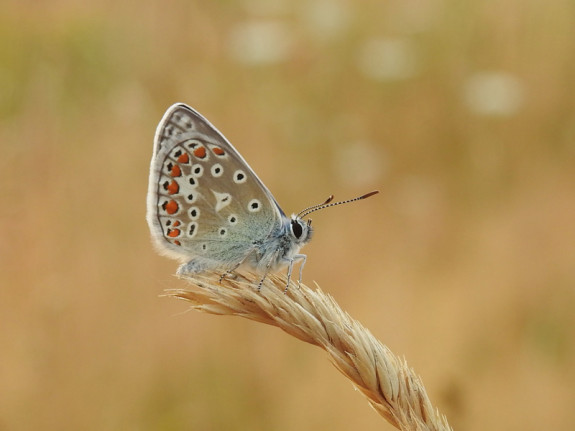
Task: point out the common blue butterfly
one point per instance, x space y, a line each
208 209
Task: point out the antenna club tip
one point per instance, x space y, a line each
369 194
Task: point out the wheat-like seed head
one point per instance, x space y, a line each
391 387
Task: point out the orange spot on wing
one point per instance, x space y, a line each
171 207
200 152
176 223
174 233
177 242
173 188
218 151
184 158
176 171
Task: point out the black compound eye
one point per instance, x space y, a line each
296 229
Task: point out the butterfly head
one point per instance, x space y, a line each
300 230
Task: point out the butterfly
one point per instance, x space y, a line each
208 209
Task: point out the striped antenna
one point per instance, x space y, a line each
328 203
313 207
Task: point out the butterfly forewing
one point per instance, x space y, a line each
204 200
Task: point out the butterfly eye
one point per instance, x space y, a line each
296 229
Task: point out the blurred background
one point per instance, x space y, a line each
461 113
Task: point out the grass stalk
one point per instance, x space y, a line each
391 387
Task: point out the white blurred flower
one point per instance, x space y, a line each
260 42
387 59
493 93
326 18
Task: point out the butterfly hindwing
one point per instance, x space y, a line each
205 204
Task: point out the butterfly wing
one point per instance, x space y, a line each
205 204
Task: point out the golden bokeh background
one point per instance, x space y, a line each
461 113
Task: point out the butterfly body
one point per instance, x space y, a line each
279 249
207 207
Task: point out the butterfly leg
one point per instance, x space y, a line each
262 281
290 267
229 272
301 257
